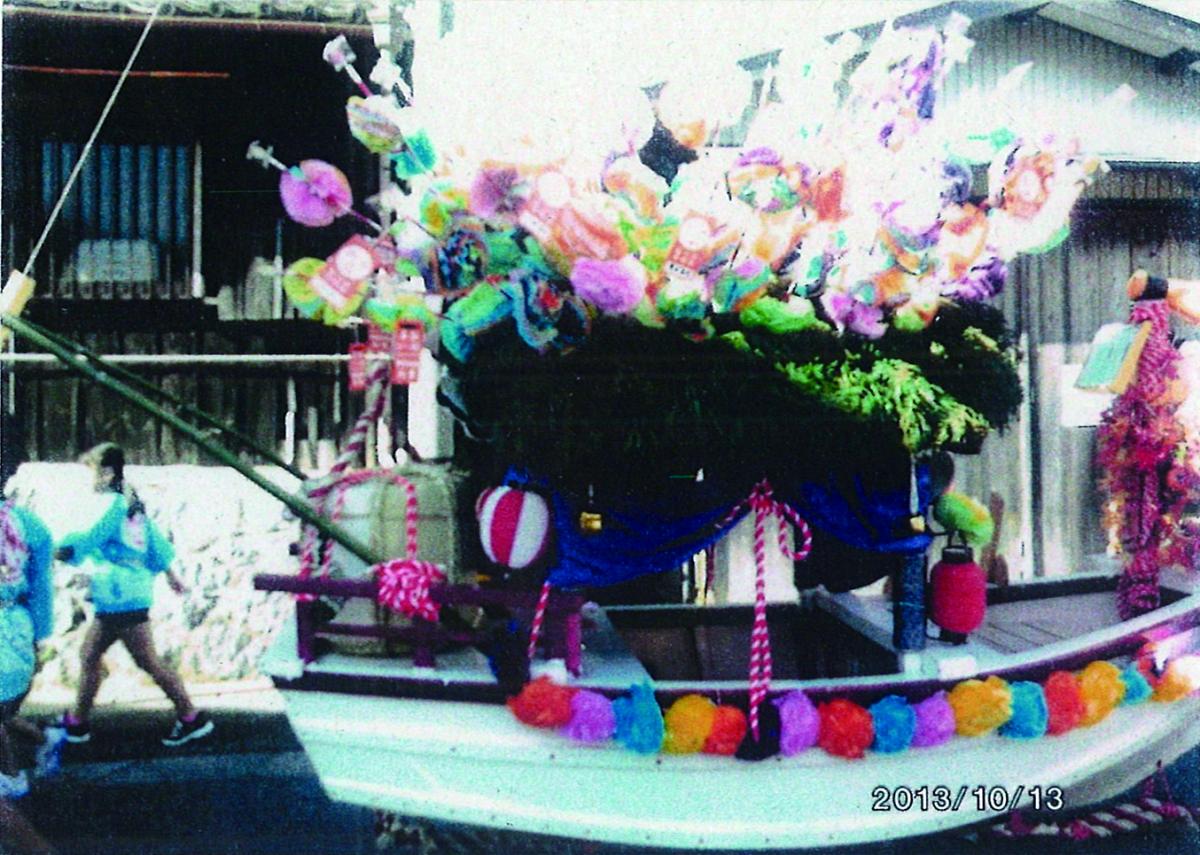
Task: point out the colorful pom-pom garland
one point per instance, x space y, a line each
792 723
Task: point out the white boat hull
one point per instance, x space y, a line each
473 763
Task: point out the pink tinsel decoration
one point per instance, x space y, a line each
800 723
935 721
592 718
610 286
1146 481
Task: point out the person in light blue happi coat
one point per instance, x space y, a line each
122 553
26 618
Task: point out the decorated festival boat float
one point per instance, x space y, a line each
755 361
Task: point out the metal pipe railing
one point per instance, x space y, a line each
148 388
105 376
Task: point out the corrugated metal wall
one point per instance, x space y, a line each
1043 471
1143 216
1072 74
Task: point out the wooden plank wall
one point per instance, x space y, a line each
62 416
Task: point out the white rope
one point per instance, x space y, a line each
112 99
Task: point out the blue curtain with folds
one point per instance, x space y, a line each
641 536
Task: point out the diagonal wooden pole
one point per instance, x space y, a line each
146 387
298 506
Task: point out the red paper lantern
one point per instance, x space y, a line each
514 526
958 593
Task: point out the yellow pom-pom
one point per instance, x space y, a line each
980 706
1182 677
688 723
1102 690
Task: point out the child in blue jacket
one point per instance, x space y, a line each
123 552
26 618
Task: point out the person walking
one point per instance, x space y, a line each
26 618
123 552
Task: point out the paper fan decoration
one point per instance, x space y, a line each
301 282
315 193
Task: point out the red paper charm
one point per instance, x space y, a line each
406 352
379 340
358 366
338 281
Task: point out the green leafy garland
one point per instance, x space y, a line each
775 394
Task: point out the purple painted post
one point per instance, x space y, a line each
305 630
574 642
424 636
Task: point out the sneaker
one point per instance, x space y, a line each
49 754
13 787
77 731
186 731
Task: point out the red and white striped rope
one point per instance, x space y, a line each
356 440
338 488
539 616
763 503
405 587
1122 818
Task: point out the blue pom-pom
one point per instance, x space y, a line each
1030 714
640 725
895 723
1137 688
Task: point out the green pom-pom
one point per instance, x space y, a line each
780 318
957 512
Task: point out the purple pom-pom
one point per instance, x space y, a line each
611 286
592 718
935 721
800 723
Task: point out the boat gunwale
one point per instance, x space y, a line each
1121 640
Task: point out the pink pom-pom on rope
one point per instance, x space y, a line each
405 587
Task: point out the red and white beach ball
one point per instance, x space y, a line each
514 526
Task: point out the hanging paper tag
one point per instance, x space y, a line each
694 247
379 340
541 211
358 366
337 282
406 352
586 233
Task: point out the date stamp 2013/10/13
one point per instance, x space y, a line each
943 799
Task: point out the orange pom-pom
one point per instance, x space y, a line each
846 729
1064 702
1177 682
728 731
1102 690
689 722
980 706
543 703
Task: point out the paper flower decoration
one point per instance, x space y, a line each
315 193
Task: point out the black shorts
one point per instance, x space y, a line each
115 622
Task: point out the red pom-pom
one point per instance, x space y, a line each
543 703
846 729
728 730
1064 702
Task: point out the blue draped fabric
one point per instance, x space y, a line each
645 537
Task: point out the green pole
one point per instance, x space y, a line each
76 363
143 385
